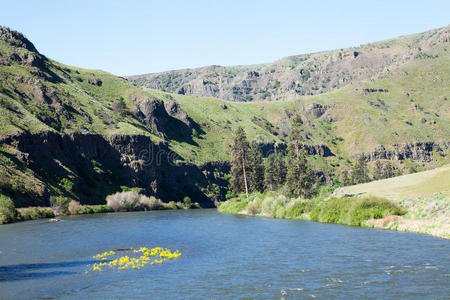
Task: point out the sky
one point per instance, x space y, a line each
136 37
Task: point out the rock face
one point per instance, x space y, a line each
421 151
152 112
167 119
316 110
269 148
103 164
294 76
27 56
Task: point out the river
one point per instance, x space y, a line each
224 256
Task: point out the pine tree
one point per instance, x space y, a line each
239 152
360 173
299 176
275 171
388 170
255 169
346 179
378 171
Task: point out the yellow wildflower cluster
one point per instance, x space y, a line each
103 256
126 262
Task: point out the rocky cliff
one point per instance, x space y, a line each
420 151
295 76
92 166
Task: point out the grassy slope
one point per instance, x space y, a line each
424 185
426 195
359 125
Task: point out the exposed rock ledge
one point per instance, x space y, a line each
130 160
268 148
420 151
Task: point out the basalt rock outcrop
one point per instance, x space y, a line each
294 76
269 148
99 165
167 119
420 151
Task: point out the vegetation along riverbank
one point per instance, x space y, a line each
415 203
63 206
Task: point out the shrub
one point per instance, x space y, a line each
172 205
151 203
75 208
367 208
254 207
67 184
8 212
35 213
124 201
232 206
187 202
60 205
88 209
353 211
131 201
296 207
270 205
102 209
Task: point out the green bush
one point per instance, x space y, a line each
295 208
353 211
67 184
232 206
367 208
254 207
98 209
187 202
8 212
35 213
60 204
172 205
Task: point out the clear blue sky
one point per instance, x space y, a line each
135 37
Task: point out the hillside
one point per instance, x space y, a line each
85 133
426 195
294 76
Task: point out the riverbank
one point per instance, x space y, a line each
368 211
119 202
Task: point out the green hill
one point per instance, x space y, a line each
85 133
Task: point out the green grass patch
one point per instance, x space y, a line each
353 211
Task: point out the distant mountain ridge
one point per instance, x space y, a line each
294 76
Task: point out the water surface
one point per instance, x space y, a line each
224 256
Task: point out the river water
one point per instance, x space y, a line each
224 256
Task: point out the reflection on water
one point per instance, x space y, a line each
224 256
39 270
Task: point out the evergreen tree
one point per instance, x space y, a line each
275 171
119 107
378 171
299 179
360 173
255 169
239 153
346 179
388 170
